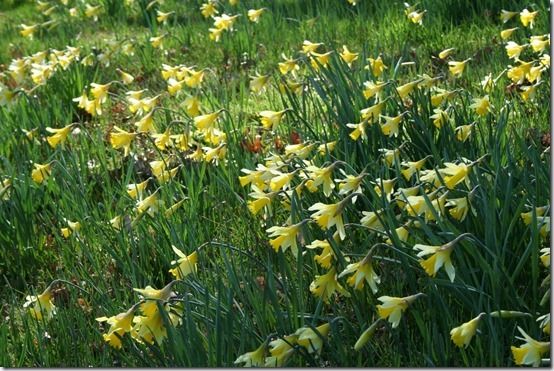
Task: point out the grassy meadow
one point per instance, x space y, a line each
268 183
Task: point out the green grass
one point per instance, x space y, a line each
244 292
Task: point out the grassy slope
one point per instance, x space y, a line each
108 264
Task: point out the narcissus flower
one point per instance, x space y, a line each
71 227
405 90
362 272
270 119
324 286
329 215
60 135
288 65
544 322
312 340
309 47
28 31
462 335
255 14
393 307
285 237
150 295
531 352
207 121
416 17
391 125
411 167
505 34
162 17
208 9
482 106
545 257
41 172
258 83
119 325
122 139
326 256
347 56
457 68
376 66
527 18
506 15
373 89
446 53
459 208
372 113
514 50
359 130
440 255
463 132
255 358
41 306
186 264
281 350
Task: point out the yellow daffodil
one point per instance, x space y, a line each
258 83
514 50
41 172
347 56
281 350
60 135
457 68
412 167
329 215
285 237
208 9
71 227
440 256
289 65
446 53
255 14
362 272
505 34
482 106
122 139
119 325
270 119
28 31
545 257
416 17
527 18
372 89
393 307
544 323
186 264
162 17
324 286
376 66
462 335
309 47
41 307
506 15
531 352
459 208
326 256
255 358
463 132
312 340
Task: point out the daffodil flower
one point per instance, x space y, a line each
531 352
462 335
393 307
